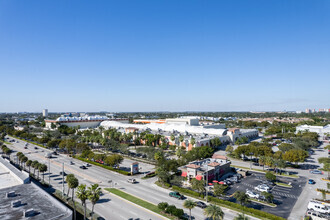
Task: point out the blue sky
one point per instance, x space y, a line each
234 55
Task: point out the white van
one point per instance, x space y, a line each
319 206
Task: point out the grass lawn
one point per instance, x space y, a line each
264 203
140 202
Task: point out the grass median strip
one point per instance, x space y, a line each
140 202
283 184
265 171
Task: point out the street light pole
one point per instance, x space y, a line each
49 171
63 178
207 181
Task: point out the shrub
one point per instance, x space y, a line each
171 209
178 213
163 205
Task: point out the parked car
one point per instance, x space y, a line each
265 186
201 204
252 194
268 183
311 181
132 181
83 167
316 172
261 188
176 195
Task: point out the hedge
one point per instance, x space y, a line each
104 166
230 205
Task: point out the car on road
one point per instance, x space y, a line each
87 165
48 155
132 181
55 153
25 147
176 195
316 172
201 204
63 173
311 181
261 188
252 194
71 162
35 148
83 167
17 142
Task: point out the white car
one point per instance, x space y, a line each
265 186
261 188
252 194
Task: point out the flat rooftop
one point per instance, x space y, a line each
6 179
31 197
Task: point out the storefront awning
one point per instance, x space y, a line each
184 174
198 177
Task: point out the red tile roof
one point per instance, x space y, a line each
214 164
194 166
217 156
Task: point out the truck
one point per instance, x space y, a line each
48 155
176 195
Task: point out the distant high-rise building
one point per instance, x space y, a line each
45 112
308 110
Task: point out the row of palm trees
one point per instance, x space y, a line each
215 212
24 161
92 193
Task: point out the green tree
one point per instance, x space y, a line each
24 160
94 192
198 185
82 194
28 164
242 198
270 177
34 165
229 149
219 189
214 212
42 168
172 137
189 204
268 196
326 167
241 217
192 141
73 183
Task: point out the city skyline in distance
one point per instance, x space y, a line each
164 56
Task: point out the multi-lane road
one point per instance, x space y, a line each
109 206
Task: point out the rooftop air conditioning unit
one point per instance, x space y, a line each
10 194
16 203
29 213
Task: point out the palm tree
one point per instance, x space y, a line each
213 211
82 194
189 204
67 180
73 182
34 166
24 159
42 168
28 164
242 198
241 217
94 195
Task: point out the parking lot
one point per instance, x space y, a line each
284 197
